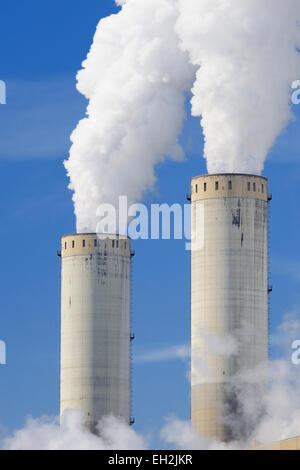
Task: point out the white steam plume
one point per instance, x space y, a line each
274 410
46 434
135 78
142 62
247 59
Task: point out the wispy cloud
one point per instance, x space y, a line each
164 354
38 118
286 333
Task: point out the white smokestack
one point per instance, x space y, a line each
247 59
135 78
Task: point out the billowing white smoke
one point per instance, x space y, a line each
135 78
247 59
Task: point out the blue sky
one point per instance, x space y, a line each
42 47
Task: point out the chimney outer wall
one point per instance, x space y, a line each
95 326
229 294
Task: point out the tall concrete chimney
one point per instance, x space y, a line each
95 326
229 292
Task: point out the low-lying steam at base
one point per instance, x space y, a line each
239 60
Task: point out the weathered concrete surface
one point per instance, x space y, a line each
229 292
95 326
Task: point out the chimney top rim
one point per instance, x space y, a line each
116 236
